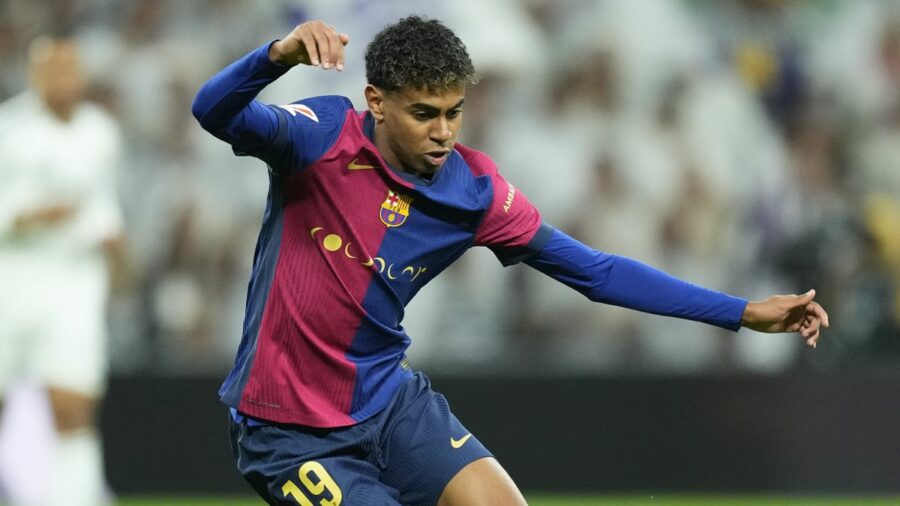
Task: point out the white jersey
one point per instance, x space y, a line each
53 278
47 162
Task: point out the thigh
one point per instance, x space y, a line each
18 316
483 482
295 466
70 344
72 411
425 445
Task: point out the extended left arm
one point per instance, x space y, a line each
621 281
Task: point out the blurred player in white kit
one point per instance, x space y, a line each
59 223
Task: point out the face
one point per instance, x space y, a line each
415 129
57 77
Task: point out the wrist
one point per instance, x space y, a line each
275 55
749 315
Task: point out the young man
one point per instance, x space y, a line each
364 208
59 223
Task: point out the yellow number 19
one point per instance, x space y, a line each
316 480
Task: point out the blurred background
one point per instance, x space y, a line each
752 146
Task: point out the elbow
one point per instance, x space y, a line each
199 109
203 108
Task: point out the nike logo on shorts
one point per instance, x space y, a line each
457 443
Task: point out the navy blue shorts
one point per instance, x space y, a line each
406 454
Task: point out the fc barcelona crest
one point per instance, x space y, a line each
395 209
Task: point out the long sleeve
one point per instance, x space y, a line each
286 137
621 281
225 104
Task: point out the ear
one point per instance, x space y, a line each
375 101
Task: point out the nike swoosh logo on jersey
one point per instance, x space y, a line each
355 166
457 443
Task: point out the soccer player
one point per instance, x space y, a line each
364 208
59 219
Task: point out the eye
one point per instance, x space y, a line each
421 115
454 113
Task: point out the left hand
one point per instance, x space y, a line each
787 313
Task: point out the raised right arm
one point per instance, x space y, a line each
225 104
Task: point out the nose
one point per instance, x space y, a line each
440 131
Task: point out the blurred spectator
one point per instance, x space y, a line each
60 223
720 140
766 42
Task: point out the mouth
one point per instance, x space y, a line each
437 157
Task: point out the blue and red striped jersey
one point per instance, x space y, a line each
347 241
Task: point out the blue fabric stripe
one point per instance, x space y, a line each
537 243
265 260
624 282
224 105
441 226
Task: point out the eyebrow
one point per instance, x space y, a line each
433 109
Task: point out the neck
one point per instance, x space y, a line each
379 138
62 113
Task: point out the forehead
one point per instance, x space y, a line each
440 97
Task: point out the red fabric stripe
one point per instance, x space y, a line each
300 373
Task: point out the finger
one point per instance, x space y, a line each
813 340
803 300
336 49
820 312
320 33
343 39
311 49
808 331
813 327
815 310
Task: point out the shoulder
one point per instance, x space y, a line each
100 123
317 109
21 102
479 163
98 116
17 110
312 126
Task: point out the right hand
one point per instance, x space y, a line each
312 43
42 217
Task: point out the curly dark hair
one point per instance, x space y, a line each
418 52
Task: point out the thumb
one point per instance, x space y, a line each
806 298
345 39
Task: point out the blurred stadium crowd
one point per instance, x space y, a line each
752 146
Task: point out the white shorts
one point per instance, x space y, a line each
53 328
